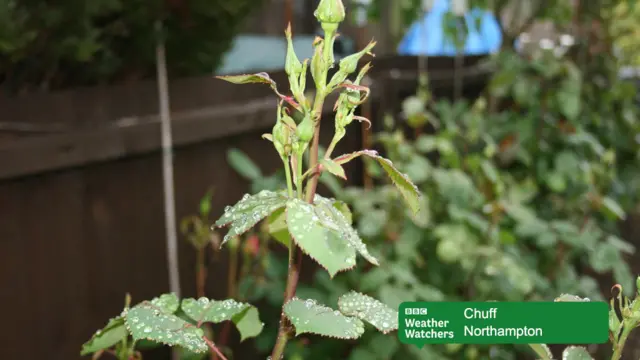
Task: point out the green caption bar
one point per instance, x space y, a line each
423 323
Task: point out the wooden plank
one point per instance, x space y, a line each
134 136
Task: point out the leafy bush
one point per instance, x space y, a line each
69 43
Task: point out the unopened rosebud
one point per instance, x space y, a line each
353 96
305 129
281 132
330 12
317 64
303 76
349 64
292 65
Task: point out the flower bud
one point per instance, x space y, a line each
349 64
303 77
281 133
292 65
317 64
305 129
330 11
353 97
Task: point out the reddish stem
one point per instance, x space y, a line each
214 348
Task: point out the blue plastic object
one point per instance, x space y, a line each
426 36
250 53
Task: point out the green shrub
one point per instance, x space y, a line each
72 42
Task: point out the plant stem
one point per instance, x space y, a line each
332 145
294 269
299 176
287 170
214 348
617 351
313 152
289 292
231 293
284 333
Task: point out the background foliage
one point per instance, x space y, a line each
524 188
60 44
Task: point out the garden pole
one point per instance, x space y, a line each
167 165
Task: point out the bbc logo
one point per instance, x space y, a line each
415 311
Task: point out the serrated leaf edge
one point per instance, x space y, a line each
101 332
341 299
326 336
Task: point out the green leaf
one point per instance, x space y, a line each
105 338
309 317
621 245
372 222
249 211
370 310
423 217
188 355
613 209
277 227
331 216
248 323
243 164
604 257
576 353
169 303
408 190
319 238
489 171
146 321
622 275
569 101
205 204
259 78
457 187
344 209
542 351
556 182
244 316
418 168
331 183
455 241
570 298
205 310
333 168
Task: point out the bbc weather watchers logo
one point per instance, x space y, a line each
415 311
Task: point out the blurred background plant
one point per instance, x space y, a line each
52 45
